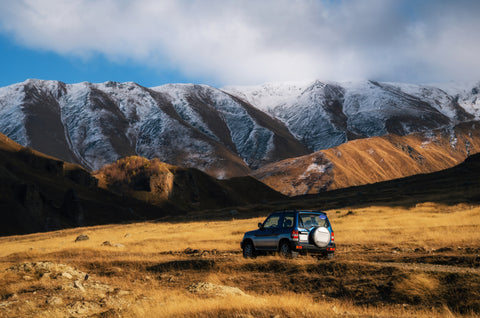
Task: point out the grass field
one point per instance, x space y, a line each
416 262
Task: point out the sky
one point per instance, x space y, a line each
234 42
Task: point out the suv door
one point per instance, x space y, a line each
266 237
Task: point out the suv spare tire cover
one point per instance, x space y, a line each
321 236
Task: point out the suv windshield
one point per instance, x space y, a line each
309 220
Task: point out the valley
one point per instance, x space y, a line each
410 262
155 229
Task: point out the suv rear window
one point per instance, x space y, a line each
309 220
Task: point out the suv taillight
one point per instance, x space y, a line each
294 235
332 237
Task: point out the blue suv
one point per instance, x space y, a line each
291 233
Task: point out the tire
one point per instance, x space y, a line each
320 236
248 250
285 250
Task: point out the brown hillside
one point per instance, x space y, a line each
373 160
156 182
41 193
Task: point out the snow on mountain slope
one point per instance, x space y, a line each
188 125
12 123
467 95
269 95
256 137
324 115
224 132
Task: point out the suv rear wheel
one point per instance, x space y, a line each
248 250
286 251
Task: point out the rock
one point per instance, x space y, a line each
78 284
123 293
54 301
45 275
82 237
188 250
209 289
6 303
67 275
420 250
108 243
26 277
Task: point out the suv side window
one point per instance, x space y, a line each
272 221
288 220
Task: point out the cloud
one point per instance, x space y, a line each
240 42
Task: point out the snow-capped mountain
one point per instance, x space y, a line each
188 125
324 115
225 132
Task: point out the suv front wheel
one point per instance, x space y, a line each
248 250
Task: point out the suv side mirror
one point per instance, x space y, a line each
260 226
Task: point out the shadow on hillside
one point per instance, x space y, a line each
460 184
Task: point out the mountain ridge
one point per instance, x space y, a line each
225 132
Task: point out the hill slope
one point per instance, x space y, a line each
459 184
157 182
41 193
373 160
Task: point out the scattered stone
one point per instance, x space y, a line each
84 308
188 250
209 289
67 275
123 292
127 235
78 285
82 237
26 277
6 303
108 243
419 250
54 301
396 250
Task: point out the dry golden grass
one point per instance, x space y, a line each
149 265
427 225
